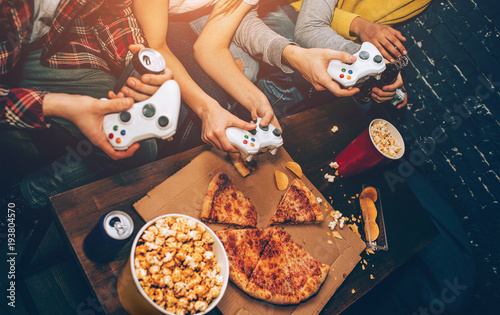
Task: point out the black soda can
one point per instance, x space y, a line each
108 236
388 77
146 60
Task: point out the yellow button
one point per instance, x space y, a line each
118 140
252 144
348 77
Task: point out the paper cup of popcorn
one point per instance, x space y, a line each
379 144
177 265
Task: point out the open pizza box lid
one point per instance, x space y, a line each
184 192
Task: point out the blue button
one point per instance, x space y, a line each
350 71
253 139
122 132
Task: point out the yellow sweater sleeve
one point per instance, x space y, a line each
341 22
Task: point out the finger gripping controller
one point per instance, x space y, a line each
146 60
253 142
369 63
155 117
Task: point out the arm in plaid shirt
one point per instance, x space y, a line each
83 35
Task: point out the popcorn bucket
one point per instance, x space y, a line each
371 148
133 297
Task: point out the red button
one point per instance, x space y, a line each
341 76
111 136
245 142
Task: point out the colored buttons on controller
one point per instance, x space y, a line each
115 128
253 139
341 76
118 140
163 121
364 55
277 132
253 132
343 70
377 59
123 132
348 77
252 144
266 128
245 141
350 71
111 136
245 136
148 110
125 117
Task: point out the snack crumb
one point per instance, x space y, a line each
330 242
319 199
353 291
337 235
363 267
371 277
335 129
332 225
341 222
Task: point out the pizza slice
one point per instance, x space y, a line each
224 203
298 205
243 248
308 274
271 280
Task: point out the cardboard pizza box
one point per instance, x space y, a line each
184 192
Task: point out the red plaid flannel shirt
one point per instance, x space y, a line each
84 34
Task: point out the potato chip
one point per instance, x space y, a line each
369 192
281 180
295 168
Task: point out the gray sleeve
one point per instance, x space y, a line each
313 28
259 41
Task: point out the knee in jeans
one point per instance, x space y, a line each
146 153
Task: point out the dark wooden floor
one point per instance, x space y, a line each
58 289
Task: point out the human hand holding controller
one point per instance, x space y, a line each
369 63
155 117
252 142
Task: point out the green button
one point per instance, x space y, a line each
343 70
246 137
115 127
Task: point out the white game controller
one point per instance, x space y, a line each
369 63
155 117
252 142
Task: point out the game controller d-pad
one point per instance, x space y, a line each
369 62
252 142
155 117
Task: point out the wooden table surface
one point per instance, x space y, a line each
310 142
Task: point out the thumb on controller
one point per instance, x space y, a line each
116 105
342 56
243 124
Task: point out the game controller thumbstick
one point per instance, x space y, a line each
146 60
155 117
369 63
258 140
